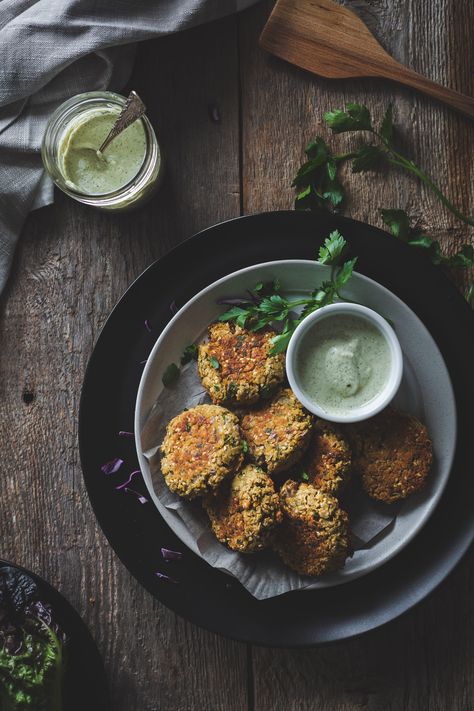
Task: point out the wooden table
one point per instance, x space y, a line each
233 123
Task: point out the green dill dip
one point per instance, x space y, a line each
343 363
87 172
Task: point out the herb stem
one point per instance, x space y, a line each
397 159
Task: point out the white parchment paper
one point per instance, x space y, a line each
262 574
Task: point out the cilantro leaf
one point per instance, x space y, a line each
214 362
356 118
332 248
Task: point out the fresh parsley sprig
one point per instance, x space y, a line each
399 223
266 306
319 187
321 190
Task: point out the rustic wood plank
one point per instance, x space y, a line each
423 660
72 266
282 109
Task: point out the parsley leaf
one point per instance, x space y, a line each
170 375
214 362
320 189
399 224
398 221
263 309
344 274
190 353
367 157
356 118
332 248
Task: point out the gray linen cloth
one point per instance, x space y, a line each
53 49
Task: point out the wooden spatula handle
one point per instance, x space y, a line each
404 75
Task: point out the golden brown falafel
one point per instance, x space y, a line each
236 367
392 453
202 447
327 461
277 433
245 514
314 536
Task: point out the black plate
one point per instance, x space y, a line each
136 532
85 684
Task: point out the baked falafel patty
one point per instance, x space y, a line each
236 367
202 447
392 453
278 433
314 536
327 461
245 514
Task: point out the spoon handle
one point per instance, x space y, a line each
402 74
133 109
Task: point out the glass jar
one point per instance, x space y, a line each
126 197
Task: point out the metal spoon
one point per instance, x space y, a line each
133 109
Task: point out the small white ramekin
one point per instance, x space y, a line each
381 400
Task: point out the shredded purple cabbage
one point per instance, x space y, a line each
112 467
124 433
129 480
169 555
162 576
232 302
173 308
142 499
148 325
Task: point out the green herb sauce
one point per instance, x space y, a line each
343 363
86 171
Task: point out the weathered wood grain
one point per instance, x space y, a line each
74 263
283 107
424 660
72 266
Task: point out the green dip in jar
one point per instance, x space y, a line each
92 173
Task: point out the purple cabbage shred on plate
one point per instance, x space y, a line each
124 433
173 308
112 467
166 578
142 499
170 555
148 325
129 480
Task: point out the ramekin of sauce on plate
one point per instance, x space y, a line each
344 362
128 171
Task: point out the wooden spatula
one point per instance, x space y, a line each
330 40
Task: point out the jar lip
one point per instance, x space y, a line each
152 148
